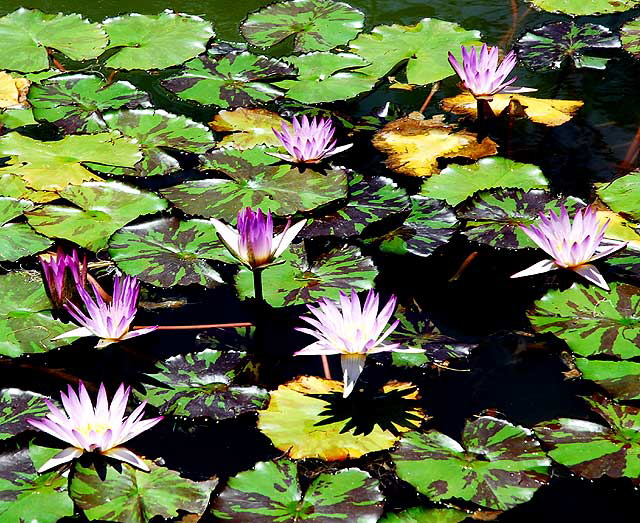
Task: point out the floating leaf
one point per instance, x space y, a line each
236 79
129 495
580 7
167 252
27 33
250 127
299 280
27 495
592 450
622 195
327 77
26 324
13 186
424 45
76 102
295 420
155 42
493 217
15 407
13 91
203 384
415 144
499 465
102 209
630 37
591 320
539 110
18 239
14 118
426 515
281 189
318 25
621 379
370 201
271 493
548 46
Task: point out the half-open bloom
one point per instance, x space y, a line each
86 428
63 273
109 321
253 243
572 245
308 141
481 74
351 330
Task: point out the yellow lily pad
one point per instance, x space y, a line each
539 110
249 127
292 419
621 229
414 144
13 92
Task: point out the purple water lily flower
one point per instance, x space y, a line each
253 243
109 321
482 75
572 245
87 429
351 330
63 273
308 141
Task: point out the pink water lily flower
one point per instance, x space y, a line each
572 245
308 141
63 273
108 321
481 74
86 428
253 243
351 330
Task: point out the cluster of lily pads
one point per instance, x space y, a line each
104 188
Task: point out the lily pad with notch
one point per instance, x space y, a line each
18 239
621 379
622 195
248 127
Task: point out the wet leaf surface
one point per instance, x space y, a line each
630 37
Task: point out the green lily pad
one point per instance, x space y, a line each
27 495
14 118
580 7
622 195
157 132
426 515
27 33
271 493
13 186
129 495
327 77
499 465
592 450
76 102
630 37
300 280
318 25
167 252
26 324
430 224
236 79
547 47
493 217
621 379
202 384
101 209
456 183
18 239
281 189
155 42
370 201
424 45
15 407
230 159
592 321
248 127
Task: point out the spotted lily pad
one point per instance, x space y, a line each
76 102
27 33
499 465
548 46
621 379
167 252
155 42
622 195
271 493
318 25
456 183
424 46
592 321
248 127
18 239
297 419
101 209
15 407
202 384
580 7
592 450
426 515
302 280
493 217
236 79
630 37
128 495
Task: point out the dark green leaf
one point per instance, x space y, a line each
15 407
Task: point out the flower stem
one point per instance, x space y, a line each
257 286
434 89
204 326
325 366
